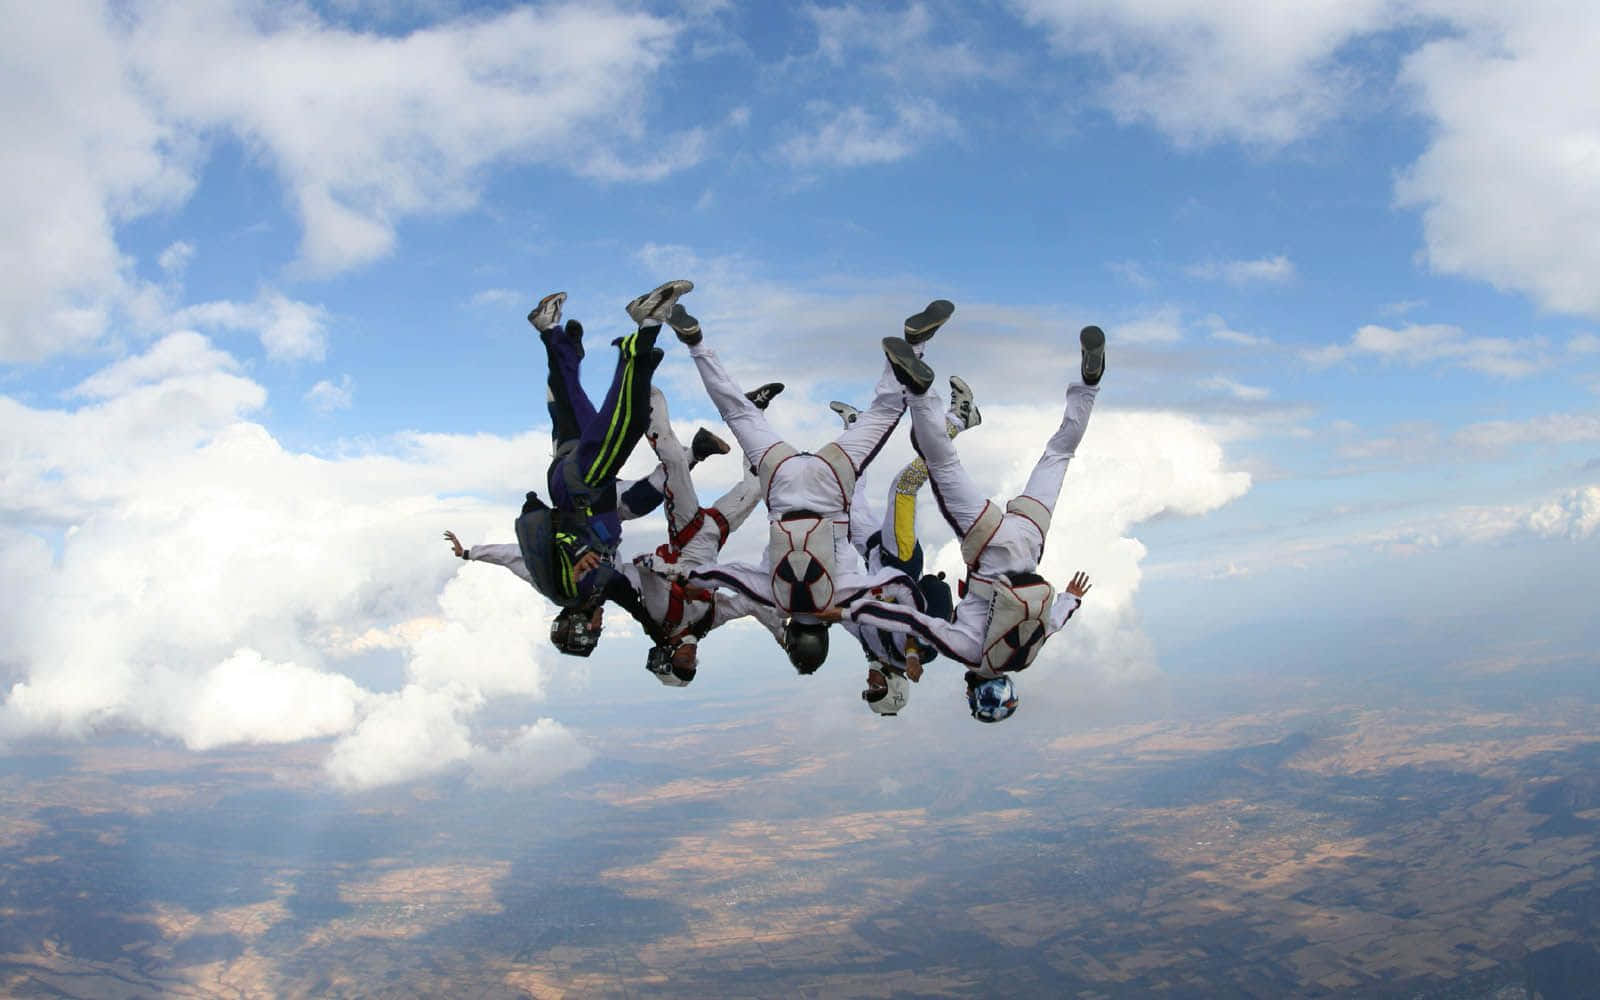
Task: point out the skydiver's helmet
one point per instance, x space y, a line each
576 631
807 644
936 599
992 699
891 697
667 667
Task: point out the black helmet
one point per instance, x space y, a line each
572 631
807 645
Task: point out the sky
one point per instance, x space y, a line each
265 268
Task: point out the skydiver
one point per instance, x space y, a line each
1007 611
895 660
809 564
677 614
567 546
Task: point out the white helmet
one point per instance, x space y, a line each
891 698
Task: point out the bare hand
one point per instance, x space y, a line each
1079 585
585 565
831 615
455 543
913 662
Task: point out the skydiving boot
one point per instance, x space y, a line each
909 370
963 414
925 323
685 326
547 314
764 394
653 307
846 412
1093 340
706 444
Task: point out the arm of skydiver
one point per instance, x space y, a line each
509 556
732 604
619 590
937 633
1068 601
746 579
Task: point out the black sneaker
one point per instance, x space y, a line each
547 314
846 412
574 331
685 326
1093 340
923 325
651 308
763 395
706 444
910 370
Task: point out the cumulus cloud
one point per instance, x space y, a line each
224 575
362 129
1507 184
535 755
1418 344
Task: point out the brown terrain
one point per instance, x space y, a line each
1433 851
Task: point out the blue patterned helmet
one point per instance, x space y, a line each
992 699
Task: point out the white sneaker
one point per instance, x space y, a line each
654 306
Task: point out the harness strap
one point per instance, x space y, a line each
980 534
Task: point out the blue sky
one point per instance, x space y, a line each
261 332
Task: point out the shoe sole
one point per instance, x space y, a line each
846 412
663 295
684 325
1093 340
910 370
560 299
762 395
922 326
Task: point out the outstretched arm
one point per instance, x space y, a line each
1068 601
936 633
509 556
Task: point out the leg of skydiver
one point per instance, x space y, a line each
747 421
680 498
959 499
606 440
868 433
569 405
1044 485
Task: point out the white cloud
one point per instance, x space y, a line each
536 755
1584 343
245 699
175 258
225 575
900 44
1257 71
366 129
415 733
1160 327
1418 344
1507 186
855 136
289 330
1559 428
84 152
326 396
112 104
1235 389
1220 330
1265 270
